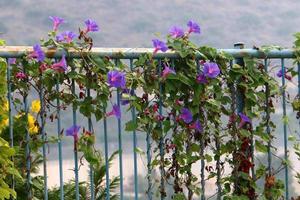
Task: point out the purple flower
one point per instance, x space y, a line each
202 79
196 126
37 53
73 131
12 61
193 27
244 119
167 71
279 74
56 22
115 111
91 26
21 76
60 66
186 115
159 45
176 32
211 69
66 36
116 79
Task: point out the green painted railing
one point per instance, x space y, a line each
131 54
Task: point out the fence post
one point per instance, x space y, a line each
239 94
246 147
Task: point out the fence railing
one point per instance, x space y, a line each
130 54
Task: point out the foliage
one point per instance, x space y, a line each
7 167
296 105
84 187
197 107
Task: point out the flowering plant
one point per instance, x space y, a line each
7 167
187 106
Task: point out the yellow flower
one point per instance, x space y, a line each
32 127
33 130
3 123
35 106
31 120
6 107
6 122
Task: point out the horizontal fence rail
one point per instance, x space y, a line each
130 54
134 53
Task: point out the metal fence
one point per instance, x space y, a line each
130 54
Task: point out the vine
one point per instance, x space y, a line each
198 109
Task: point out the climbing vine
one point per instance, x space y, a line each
198 109
7 167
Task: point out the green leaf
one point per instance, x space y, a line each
86 107
98 114
245 133
139 151
166 125
261 147
296 104
131 125
182 78
292 138
208 158
260 171
179 197
285 120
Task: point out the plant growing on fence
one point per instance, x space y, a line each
199 108
196 95
99 183
7 167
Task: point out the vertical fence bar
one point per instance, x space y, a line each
202 162
75 144
284 129
232 88
240 96
120 150
10 118
27 154
252 157
60 160
161 140
44 138
149 167
149 171
268 121
218 166
120 143
92 187
134 144
106 158
202 168
247 142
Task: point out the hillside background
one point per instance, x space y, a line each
133 23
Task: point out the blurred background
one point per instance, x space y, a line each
133 23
